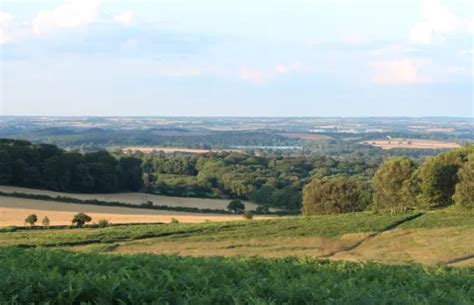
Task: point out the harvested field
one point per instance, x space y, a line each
411 143
169 150
135 198
13 212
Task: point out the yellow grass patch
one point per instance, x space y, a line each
411 143
13 212
136 198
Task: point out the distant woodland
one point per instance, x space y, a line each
314 184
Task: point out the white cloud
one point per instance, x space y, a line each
395 49
402 71
124 18
422 33
5 21
286 68
71 14
252 75
356 39
456 69
438 20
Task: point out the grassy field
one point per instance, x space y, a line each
287 260
134 198
401 238
38 276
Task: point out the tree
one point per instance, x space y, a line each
80 219
393 185
438 177
31 219
236 206
331 196
45 221
464 191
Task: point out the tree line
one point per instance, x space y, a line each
47 166
399 184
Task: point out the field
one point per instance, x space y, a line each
38 275
411 143
169 150
135 198
247 262
13 212
395 239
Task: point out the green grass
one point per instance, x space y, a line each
323 226
39 276
448 217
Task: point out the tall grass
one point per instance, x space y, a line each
39 276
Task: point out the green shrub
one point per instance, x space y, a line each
332 196
236 206
31 219
81 219
394 185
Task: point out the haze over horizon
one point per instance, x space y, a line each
258 58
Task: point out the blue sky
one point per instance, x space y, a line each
237 58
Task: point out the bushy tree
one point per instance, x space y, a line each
394 185
438 178
31 219
236 206
464 191
331 196
45 221
81 219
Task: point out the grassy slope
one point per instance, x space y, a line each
38 275
291 227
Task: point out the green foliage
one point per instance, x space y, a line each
46 166
438 178
174 220
81 219
236 206
464 193
394 185
148 279
31 219
334 195
45 222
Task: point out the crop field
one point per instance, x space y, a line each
135 198
411 143
13 212
58 277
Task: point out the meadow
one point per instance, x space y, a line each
363 236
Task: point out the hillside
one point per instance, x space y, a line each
438 237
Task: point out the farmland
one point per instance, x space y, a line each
399 238
13 212
134 198
411 144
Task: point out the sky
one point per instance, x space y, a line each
237 57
